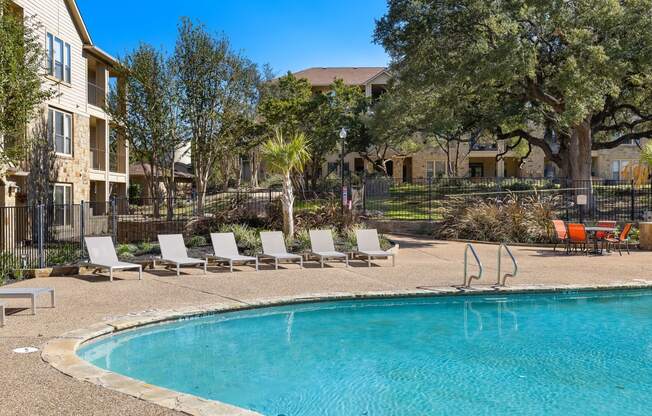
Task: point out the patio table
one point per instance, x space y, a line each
596 230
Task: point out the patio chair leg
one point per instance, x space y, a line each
257 264
301 262
205 267
110 274
627 247
231 265
321 260
346 260
275 264
52 298
368 261
178 272
140 273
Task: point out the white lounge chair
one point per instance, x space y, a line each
174 252
102 255
2 314
369 246
274 248
27 293
323 247
225 249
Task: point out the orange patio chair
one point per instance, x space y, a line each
603 235
623 238
577 237
561 234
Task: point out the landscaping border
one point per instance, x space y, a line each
61 352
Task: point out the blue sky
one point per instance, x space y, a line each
287 34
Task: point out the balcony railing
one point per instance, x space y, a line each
118 162
96 95
484 146
98 161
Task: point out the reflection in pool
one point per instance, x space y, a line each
577 354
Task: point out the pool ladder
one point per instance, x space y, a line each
501 278
467 278
501 281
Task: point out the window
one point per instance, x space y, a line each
435 169
62 198
476 170
58 58
60 126
617 167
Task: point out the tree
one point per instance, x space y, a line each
285 157
290 104
145 110
41 160
582 68
21 91
217 87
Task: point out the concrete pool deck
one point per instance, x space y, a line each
32 386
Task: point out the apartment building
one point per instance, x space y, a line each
91 157
472 159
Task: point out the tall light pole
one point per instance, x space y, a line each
343 134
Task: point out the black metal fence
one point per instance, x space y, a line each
43 236
426 199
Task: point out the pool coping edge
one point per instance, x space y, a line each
61 352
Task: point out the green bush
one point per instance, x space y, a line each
247 238
135 192
300 242
197 241
148 248
126 251
10 267
63 254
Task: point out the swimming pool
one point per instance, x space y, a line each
577 353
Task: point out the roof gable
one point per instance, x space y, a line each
325 76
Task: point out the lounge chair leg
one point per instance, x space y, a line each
275 264
140 273
301 262
52 298
178 272
257 264
231 265
321 259
369 261
346 260
110 274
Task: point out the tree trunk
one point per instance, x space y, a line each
579 163
254 169
200 184
287 200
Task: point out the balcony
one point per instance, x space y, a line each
484 147
96 95
98 160
118 162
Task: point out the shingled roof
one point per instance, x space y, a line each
350 75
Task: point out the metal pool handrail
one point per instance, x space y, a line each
506 275
468 247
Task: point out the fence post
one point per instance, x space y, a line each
632 201
114 220
40 235
82 227
429 199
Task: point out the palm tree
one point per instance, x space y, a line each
285 157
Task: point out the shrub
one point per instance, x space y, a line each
247 238
146 247
63 254
126 251
197 241
9 267
512 219
135 192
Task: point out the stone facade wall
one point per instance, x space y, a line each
74 169
603 159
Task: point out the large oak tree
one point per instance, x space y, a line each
582 69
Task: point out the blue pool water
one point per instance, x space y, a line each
544 354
